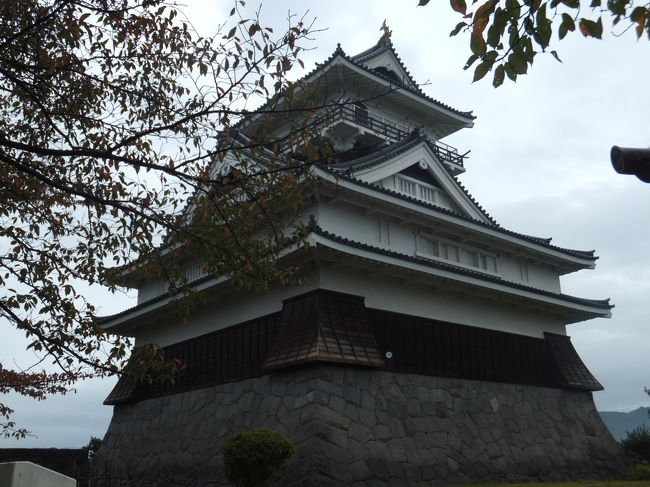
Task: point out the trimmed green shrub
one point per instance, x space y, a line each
639 472
637 443
250 458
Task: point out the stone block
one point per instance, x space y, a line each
360 433
367 417
360 470
397 429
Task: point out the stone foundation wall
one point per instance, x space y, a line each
365 427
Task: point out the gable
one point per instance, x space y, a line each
387 65
419 174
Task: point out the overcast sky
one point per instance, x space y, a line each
539 164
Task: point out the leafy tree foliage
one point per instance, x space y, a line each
93 446
506 35
637 443
252 457
109 157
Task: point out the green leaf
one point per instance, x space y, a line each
554 53
509 71
513 9
595 3
518 63
471 60
423 3
477 43
617 7
499 75
567 25
481 70
231 33
543 34
571 3
498 27
456 30
541 15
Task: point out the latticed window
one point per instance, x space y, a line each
421 190
432 247
407 187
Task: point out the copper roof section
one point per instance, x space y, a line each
123 392
573 373
324 326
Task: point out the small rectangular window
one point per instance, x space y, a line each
428 246
384 232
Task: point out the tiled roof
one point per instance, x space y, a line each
323 326
596 303
385 44
394 150
316 229
339 52
571 371
123 391
144 304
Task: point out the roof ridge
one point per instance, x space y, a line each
385 43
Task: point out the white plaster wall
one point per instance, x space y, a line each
380 292
218 313
28 474
418 300
353 222
544 277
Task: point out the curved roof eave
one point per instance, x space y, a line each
117 323
587 257
600 308
339 56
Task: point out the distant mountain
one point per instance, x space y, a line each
619 424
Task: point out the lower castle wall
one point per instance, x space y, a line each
364 427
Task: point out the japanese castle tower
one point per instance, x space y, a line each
427 344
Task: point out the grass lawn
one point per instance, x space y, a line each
582 483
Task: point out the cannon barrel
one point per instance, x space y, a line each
634 161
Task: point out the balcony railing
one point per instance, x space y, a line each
387 128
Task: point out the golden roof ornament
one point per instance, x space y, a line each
387 32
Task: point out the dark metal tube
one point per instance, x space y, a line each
626 160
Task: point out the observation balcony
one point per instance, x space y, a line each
348 120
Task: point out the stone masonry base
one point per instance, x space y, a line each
363 427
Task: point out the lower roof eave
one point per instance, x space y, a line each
327 249
567 262
537 299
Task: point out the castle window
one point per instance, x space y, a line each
420 190
523 270
383 234
435 248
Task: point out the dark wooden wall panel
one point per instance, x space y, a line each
336 328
